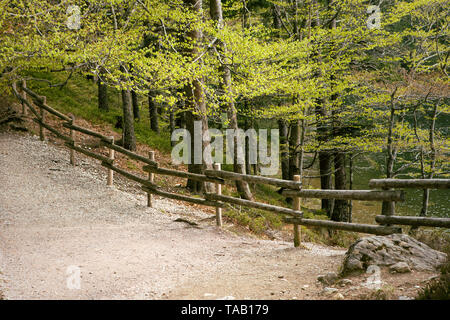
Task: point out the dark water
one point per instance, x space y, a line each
439 203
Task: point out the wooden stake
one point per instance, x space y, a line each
297 228
151 176
72 136
219 192
110 172
41 128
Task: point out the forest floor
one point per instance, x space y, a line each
56 218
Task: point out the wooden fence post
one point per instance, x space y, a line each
72 136
110 180
41 128
24 110
297 228
151 177
219 192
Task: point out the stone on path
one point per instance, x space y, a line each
389 251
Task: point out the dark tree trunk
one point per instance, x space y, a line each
284 149
294 144
134 100
129 139
102 96
340 183
171 124
153 112
324 158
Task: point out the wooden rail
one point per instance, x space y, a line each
414 221
367 195
410 183
182 174
253 204
254 179
354 227
292 189
175 196
69 125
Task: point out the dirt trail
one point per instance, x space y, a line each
54 216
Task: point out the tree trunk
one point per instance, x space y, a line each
340 183
196 105
294 145
171 124
129 139
153 112
102 96
388 208
284 149
134 100
239 164
325 158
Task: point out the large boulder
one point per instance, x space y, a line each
390 250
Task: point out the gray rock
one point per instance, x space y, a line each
344 282
338 296
328 291
390 250
328 279
400 267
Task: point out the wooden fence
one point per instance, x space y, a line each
292 189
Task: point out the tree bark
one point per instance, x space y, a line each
102 96
134 100
239 164
129 138
294 145
388 208
284 149
340 183
196 106
153 112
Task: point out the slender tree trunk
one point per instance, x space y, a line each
426 192
284 149
239 164
294 146
172 124
102 96
388 208
153 112
340 183
196 105
129 139
325 158
134 100
350 187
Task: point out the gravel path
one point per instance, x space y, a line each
56 219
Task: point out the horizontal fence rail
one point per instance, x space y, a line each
354 227
253 179
87 131
414 221
367 195
182 174
292 189
253 204
175 196
410 183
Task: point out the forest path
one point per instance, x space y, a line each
54 217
